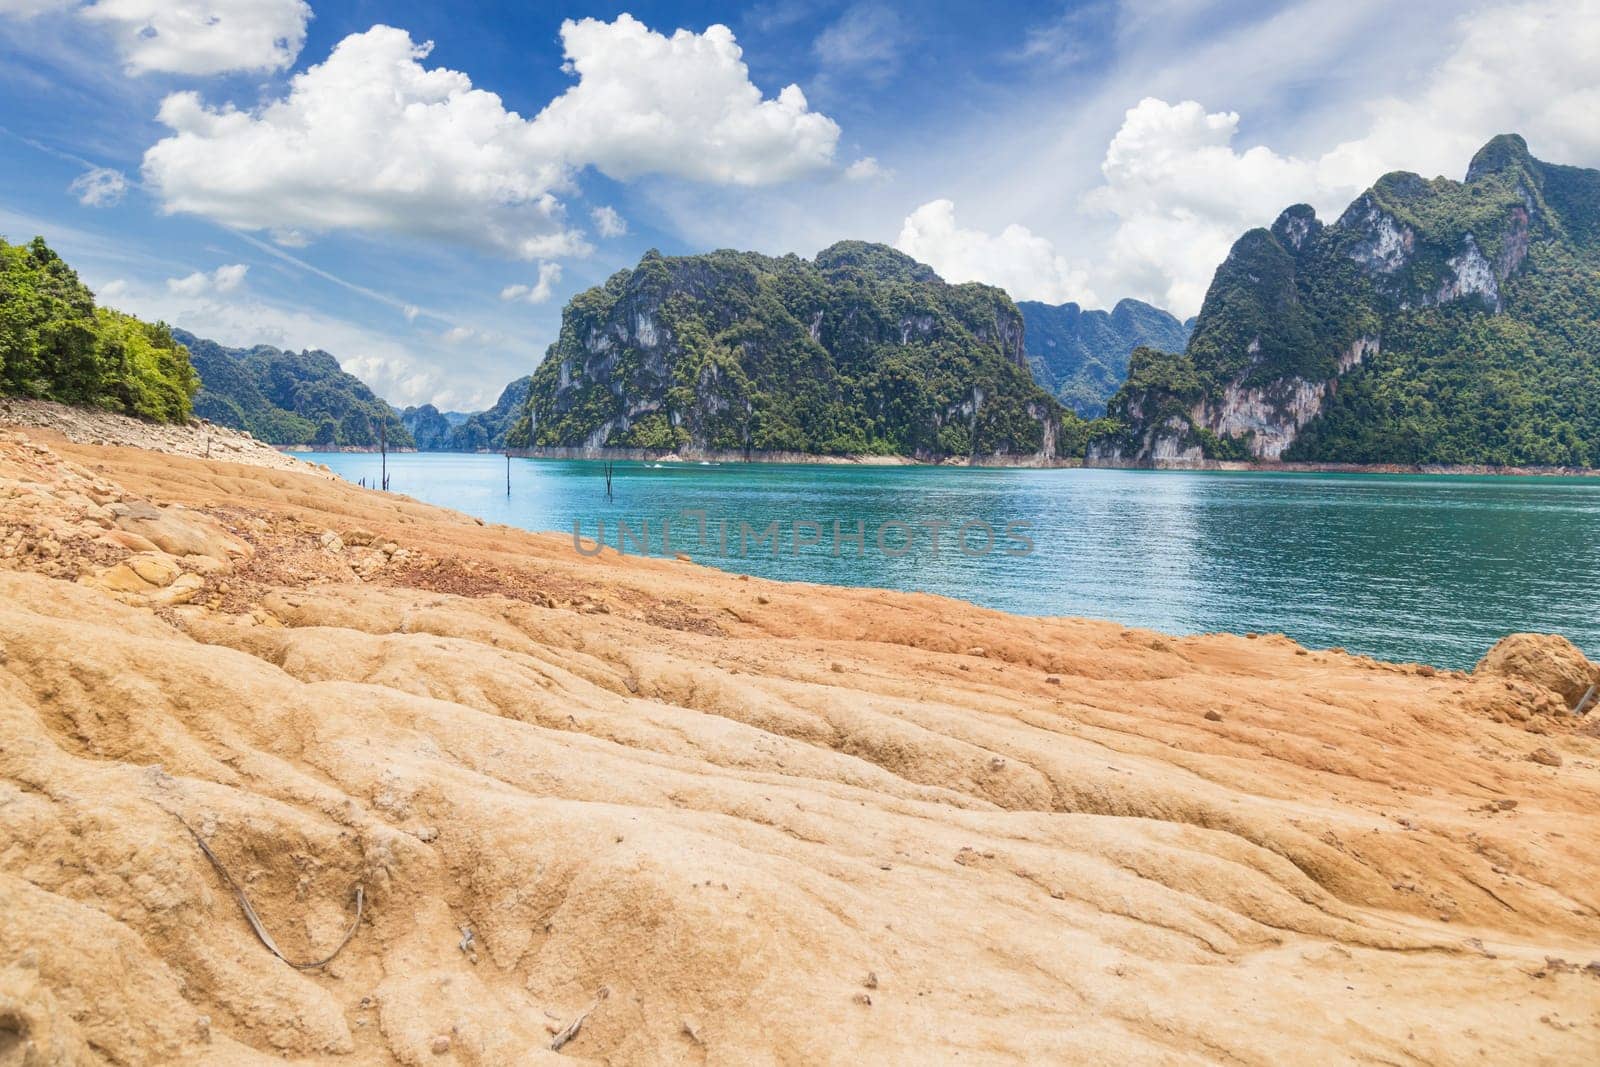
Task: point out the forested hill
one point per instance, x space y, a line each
56 344
862 350
1082 356
289 398
437 431
1435 322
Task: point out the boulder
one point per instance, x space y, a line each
156 568
1543 659
179 532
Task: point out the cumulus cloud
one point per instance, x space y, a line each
225 279
1180 193
203 36
682 105
1019 261
99 187
368 140
608 223
373 140
540 291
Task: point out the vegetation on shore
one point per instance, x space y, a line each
56 344
290 398
1443 322
862 351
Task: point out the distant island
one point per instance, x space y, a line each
862 351
290 398
1436 322
1081 356
480 431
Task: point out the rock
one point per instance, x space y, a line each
120 578
1545 757
331 541
1052 680
441 1044
358 536
1543 659
178 532
156 568
872 980
1213 716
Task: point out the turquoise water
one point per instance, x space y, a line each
1432 569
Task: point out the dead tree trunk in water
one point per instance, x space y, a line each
383 452
608 471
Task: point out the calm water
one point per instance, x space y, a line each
1433 569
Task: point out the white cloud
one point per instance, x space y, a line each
456 335
866 169
539 291
225 279
1180 193
866 42
1181 196
368 140
608 223
27 9
99 187
1022 263
682 105
204 36
372 140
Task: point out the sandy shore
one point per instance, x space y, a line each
714 820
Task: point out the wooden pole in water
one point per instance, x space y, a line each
383 452
508 473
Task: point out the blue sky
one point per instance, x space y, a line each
308 173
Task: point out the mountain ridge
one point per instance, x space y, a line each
1080 356
860 351
1434 322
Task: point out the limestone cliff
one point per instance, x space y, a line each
1434 322
860 351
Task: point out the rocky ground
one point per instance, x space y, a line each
639 811
195 438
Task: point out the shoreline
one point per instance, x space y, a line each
716 455
1033 462
1306 467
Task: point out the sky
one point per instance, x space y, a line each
418 188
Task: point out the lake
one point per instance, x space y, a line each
1403 567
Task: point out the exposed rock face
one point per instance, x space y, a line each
738 821
1544 659
862 351
1396 281
1082 356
